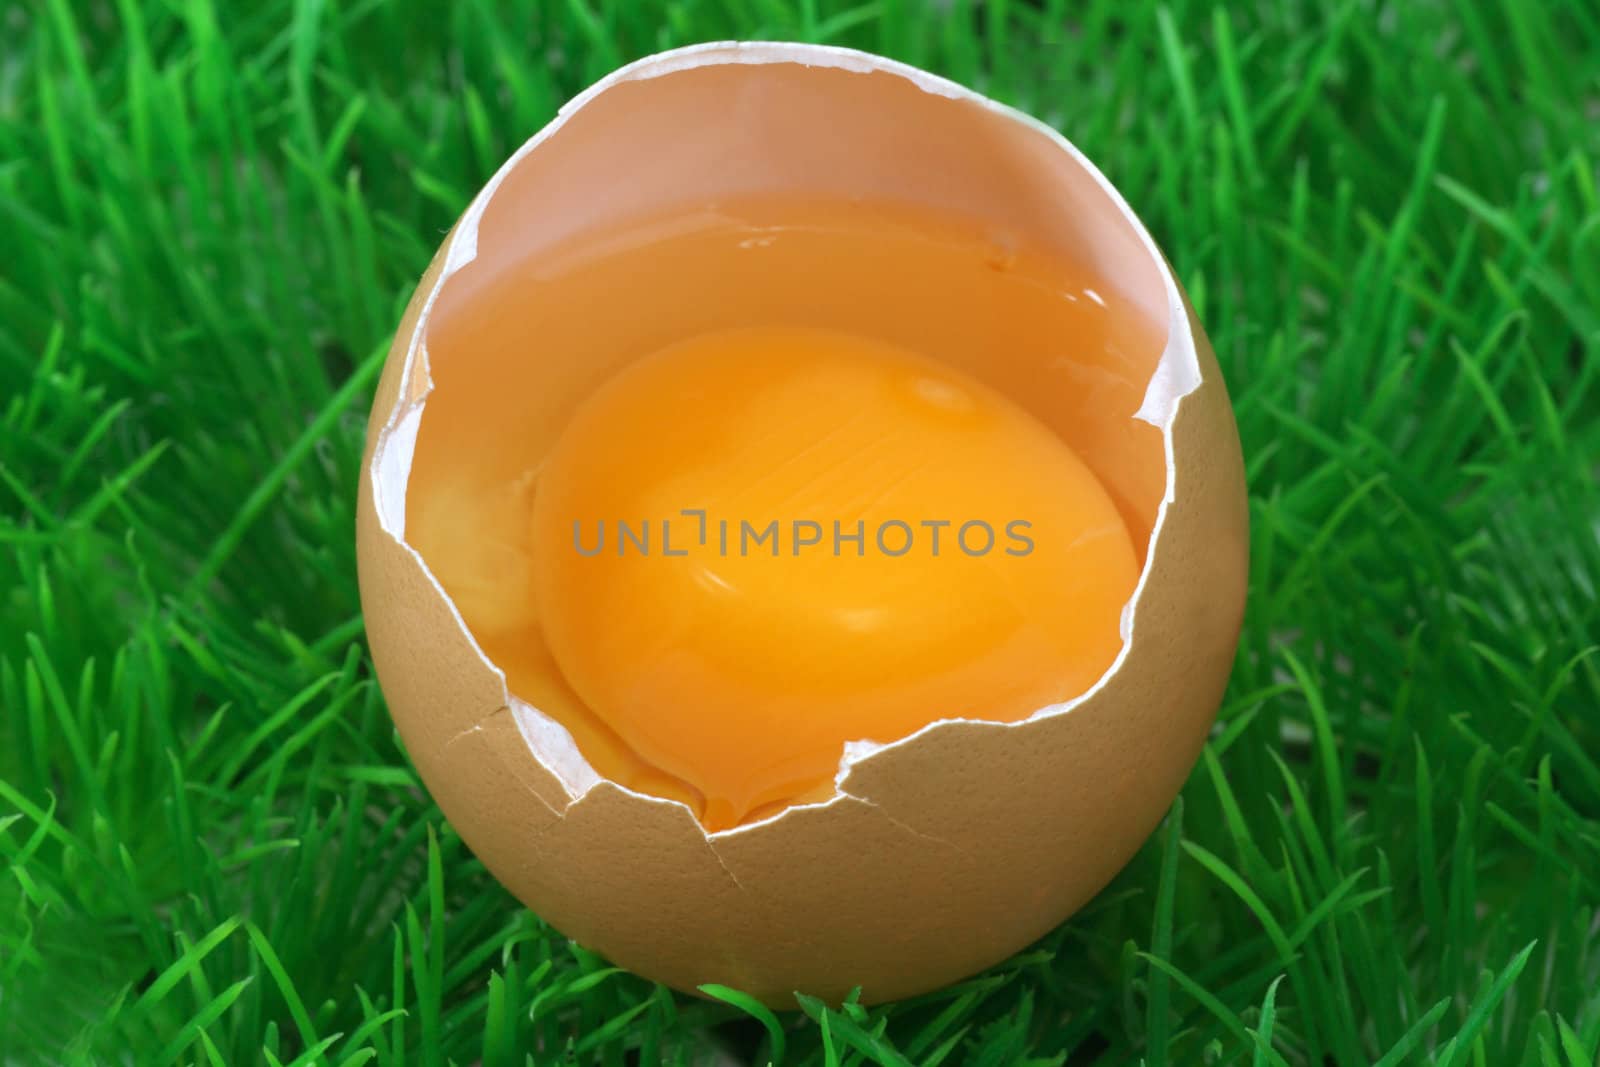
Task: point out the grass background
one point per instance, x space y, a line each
210 217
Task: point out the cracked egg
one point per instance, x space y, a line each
802 534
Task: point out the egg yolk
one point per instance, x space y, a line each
757 545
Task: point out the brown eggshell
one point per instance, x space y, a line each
942 853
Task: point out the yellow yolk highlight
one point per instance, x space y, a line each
757 545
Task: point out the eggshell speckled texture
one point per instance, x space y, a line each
942 853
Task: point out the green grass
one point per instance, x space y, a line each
215 852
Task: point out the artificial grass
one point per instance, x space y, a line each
210 217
